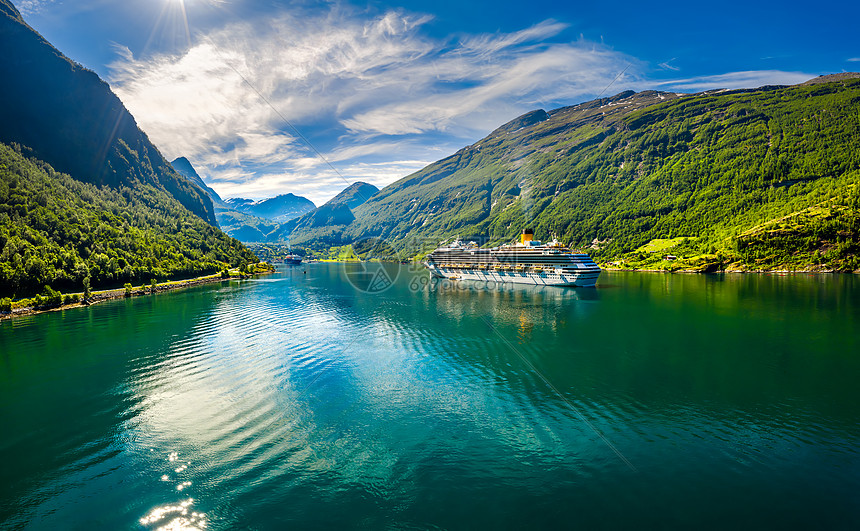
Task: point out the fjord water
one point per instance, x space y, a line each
296 400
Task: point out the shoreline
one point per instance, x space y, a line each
119 293
743 271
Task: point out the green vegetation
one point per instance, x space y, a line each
755 179
70 119
70 235
340 253
321 227
246 227
115 212
275 252
661 245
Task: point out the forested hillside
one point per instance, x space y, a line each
58 231
325 225
713 170
71 119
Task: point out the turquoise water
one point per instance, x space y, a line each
296 400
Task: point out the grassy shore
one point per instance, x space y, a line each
26 307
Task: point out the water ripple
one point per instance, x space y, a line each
297 400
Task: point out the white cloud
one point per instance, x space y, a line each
376 84
320 185
853 59
666 66
365 91
734 80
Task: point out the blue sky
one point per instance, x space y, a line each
381 89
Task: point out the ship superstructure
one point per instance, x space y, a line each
527 261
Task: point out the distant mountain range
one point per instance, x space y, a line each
242 223
763 178
273 220
83 192
280 208
326 224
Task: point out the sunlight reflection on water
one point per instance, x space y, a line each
175 517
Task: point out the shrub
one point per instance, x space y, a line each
52 297
5 304
128 287
87 291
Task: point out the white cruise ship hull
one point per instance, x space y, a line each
585 279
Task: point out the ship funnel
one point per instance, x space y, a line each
527 236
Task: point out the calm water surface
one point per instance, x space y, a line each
297 401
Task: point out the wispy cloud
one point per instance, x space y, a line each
322 184
366 91
734 80
853 59
666 66
378 85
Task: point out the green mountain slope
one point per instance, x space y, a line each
114 210
324 226
245 227
354 195
57 231
71 119
615 173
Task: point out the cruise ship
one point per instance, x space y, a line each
527 261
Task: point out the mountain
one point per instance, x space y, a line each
324 226
354 195
247 228
280 209
69 118
241 218
184 167
84 195
758 178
